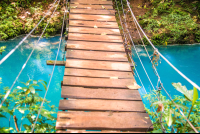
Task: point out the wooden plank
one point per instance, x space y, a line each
101 105
97 46
126 121
58 63
101 31
84 131
99 24
96 55
103 7
106 94
98 38
92 17
98 65
100 82
98 73
92 11
96 2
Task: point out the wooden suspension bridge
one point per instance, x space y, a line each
99 91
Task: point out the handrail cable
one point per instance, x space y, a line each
162 127
13 50
185 77
8 92
162 85
155 70
51 73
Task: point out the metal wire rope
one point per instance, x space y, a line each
13 50
163 129
8 92
51 75
162 85
179 72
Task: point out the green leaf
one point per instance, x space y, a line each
6 130
183 90
35 82
38 90
195 96
169 118
32 89
2 116
28 82
27 127
21 110
44 85
6 110
42 81
27 92
23 83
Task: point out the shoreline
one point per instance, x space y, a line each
36 36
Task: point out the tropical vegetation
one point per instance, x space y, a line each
21 16
22 106
168 118
172 21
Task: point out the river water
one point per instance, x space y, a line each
185 57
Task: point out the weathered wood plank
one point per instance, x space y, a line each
92 11
102 105
100 82
98 73
84 131
97 38
91 2
96 55
103 7
92 24
106 94
126 121
98 65
58 63
92 17
97 46
101 31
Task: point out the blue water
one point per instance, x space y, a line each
36 68
185 58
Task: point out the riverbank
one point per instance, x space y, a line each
165 22
21 17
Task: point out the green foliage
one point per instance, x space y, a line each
172 21
2 49
14 19
189 104
26 100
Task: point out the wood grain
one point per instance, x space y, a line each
100 31
100 93
96 55
106 18
96 46
98 65
92 11
97 38
101 105
92 24
98 73
99 82
126 121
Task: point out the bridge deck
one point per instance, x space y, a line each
99 90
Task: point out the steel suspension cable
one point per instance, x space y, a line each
179 72
8 92
51 74
162 127
13 50
162 85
